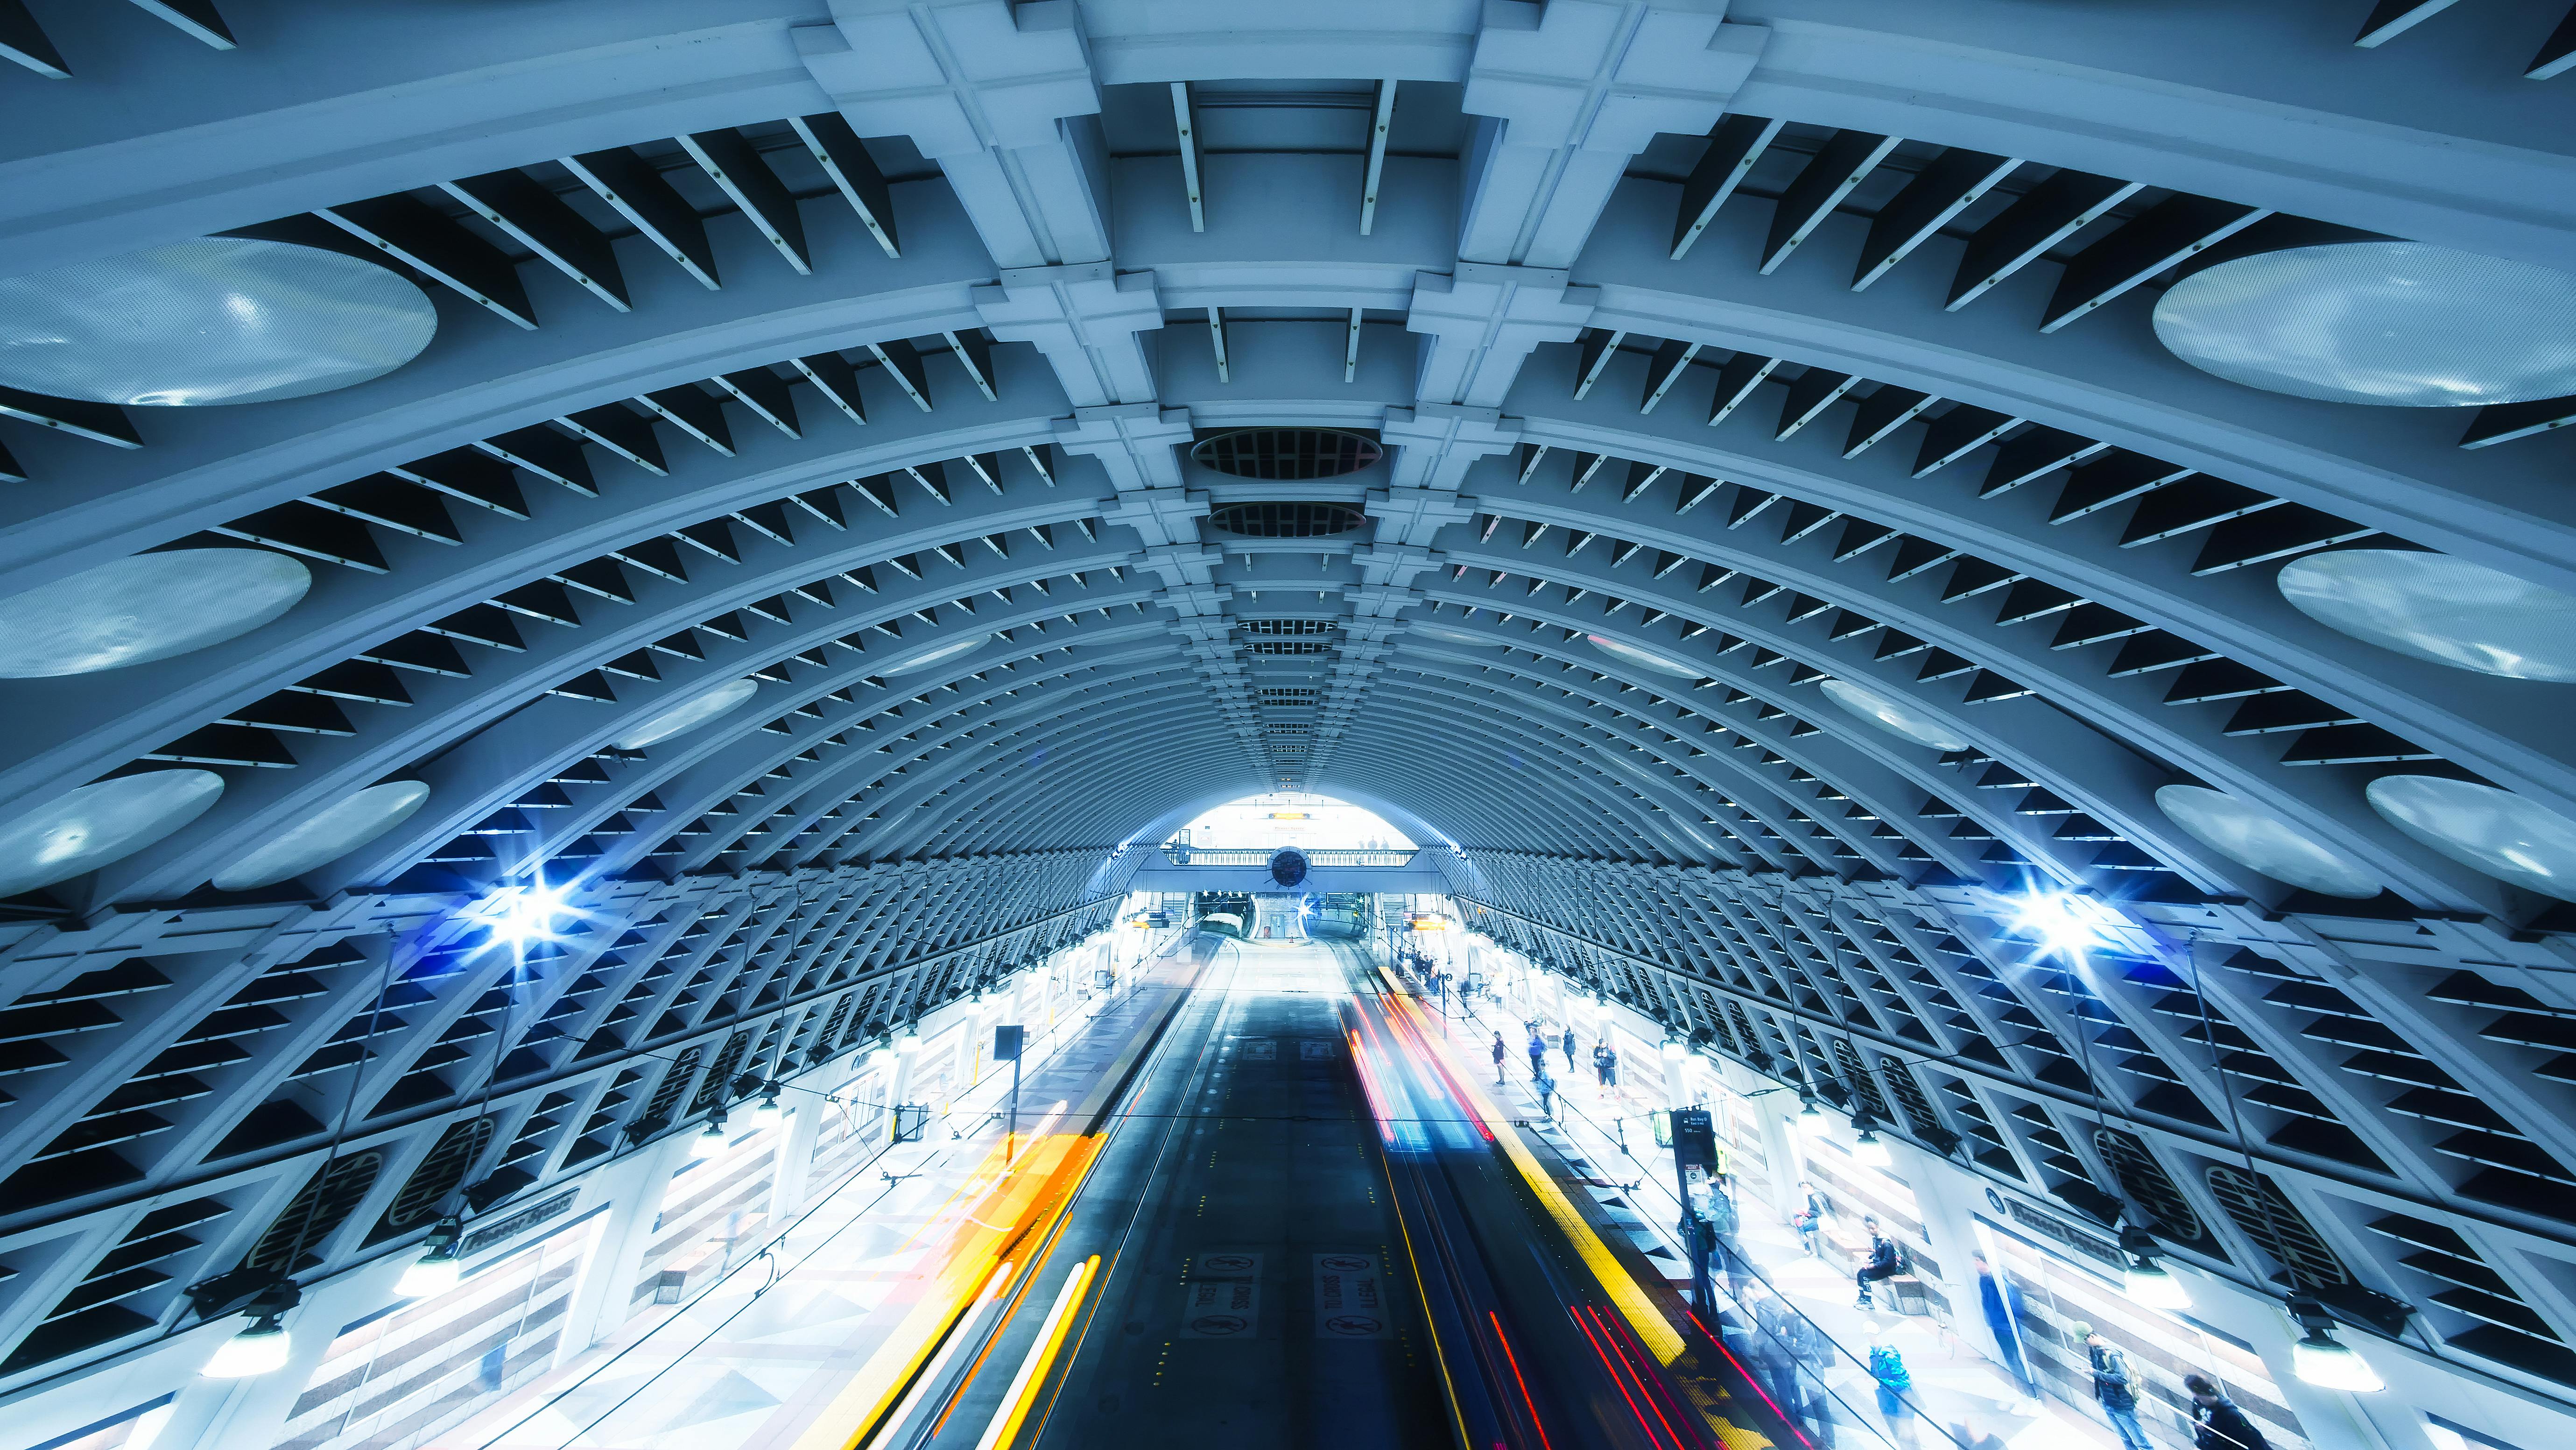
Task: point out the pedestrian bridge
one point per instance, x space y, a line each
1247 870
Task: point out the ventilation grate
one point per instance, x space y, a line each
1287 453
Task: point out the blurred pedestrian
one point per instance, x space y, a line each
2001 1301
1887 1366
1546 1095
1569 1047
2112 1388
1537 1053
2216 1422
1772 1351
1605 1061
1502 1054
1809 1219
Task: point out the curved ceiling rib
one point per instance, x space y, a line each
1676 382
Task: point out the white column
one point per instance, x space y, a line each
796 1138
635 1189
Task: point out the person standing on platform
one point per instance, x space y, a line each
2216 1422
1538 1054
1502 1054
1568 1044
2001 1302
1605 1061
2112 1388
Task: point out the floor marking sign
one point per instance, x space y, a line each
1349 1302
1221 1309
1260 1049
1312 1050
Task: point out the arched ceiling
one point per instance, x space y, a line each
1783 344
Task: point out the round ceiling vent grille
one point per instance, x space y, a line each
1286 520
1287 452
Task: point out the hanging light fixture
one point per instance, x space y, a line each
1811 1118
767 1111
2321 1360
438 1268
907 1038
1675 1048
261 1348
2149 1283
1867 1150
709 1143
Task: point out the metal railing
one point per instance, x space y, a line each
1255 856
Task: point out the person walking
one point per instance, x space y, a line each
2112 1388
1884 1262
1887 1366
1772 1350
1546 1095
2216 1422
1502 1054
1537 1053
1605 1061
1809 1220
2001 1302
1568 1043
1815 1357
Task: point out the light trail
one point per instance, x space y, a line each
1024 1385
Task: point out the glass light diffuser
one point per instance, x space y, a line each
209 320
325 836
688 715
1645 658
2438 608
2388 324
84 829
149 607
1896 717
2253 837
954 649
2479 826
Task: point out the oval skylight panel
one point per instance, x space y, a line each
2438 608
2253 837
326 836
148 607
85 829
1896 717
208 320
2494 831
688 715
1453 636
2391 324
954 649
1645 658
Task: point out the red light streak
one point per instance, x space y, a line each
1615 1379
1646 1389
1515 1362
1720 1345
